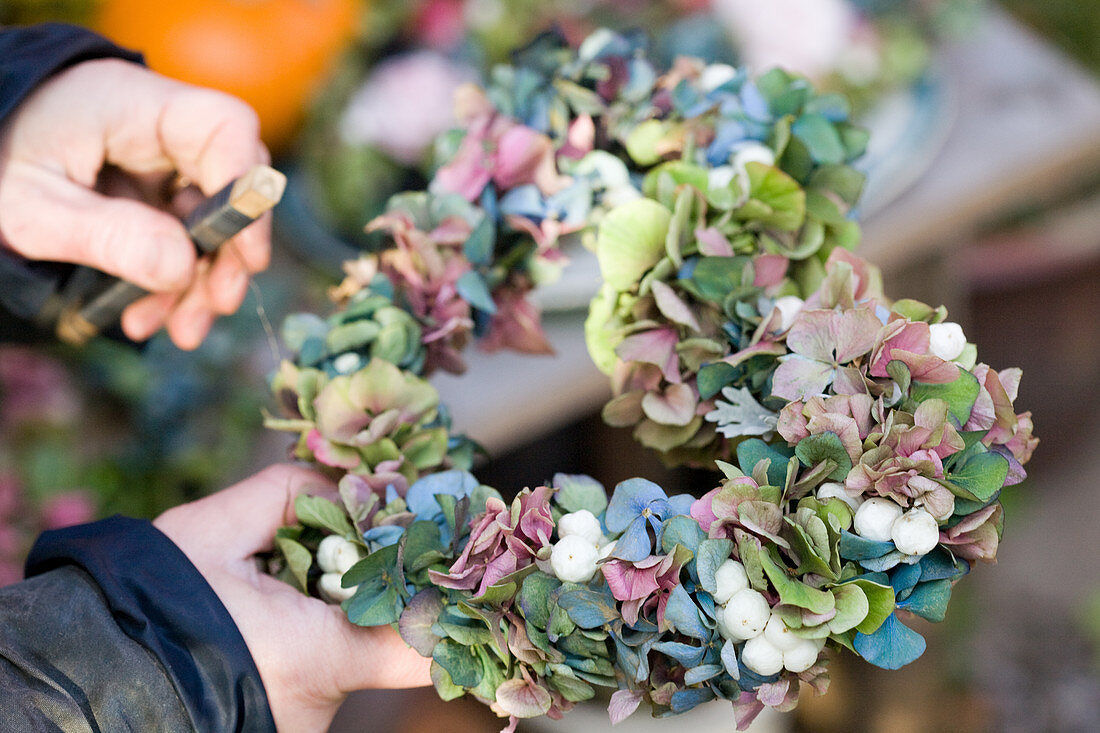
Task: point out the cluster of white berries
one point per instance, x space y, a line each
743 614
335 556
914 532
581 545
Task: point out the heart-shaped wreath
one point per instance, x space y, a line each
862 446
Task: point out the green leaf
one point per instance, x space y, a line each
473 289
821 139
754 450
749 551
560 624
444 685
631 240
714 277
298 560
680 230
587 608
492 674
810 560
572 689
376 567
978 477
852 608
351 336
782 202
843 180
576 492
880 604
641 143
478 247
460 662
855 139
422 545
713 377
676 173
929 600
821 447
708 558
466 634
316 511
534 598
427 448
959 395
795 592
373 606
681 530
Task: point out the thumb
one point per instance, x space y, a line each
49 217
377 658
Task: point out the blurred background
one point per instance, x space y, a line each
983 194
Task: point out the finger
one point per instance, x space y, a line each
146 316
188 327
265 502
191 318
226 282
363 647
210 136
49 217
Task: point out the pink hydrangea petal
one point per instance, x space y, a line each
798 378
769 270
854 333
656 346
812 335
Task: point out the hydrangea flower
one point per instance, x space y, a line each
505 539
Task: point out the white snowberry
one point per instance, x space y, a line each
582 523
715 75
779 634
745 614
833 490
762 657
946 340
336 554
801 656
751 151
915 532
329 585
730 578
573 559
875 517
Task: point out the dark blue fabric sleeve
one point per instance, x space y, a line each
28 56
160 600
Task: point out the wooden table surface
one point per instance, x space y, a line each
1026 130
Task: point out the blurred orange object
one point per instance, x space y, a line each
271 53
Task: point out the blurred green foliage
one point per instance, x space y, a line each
1074 25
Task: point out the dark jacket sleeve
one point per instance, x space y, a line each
115 630
28 56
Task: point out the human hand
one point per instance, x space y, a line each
87 164
308 654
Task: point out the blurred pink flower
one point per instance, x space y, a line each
404 104
67 509
804 36
34 388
